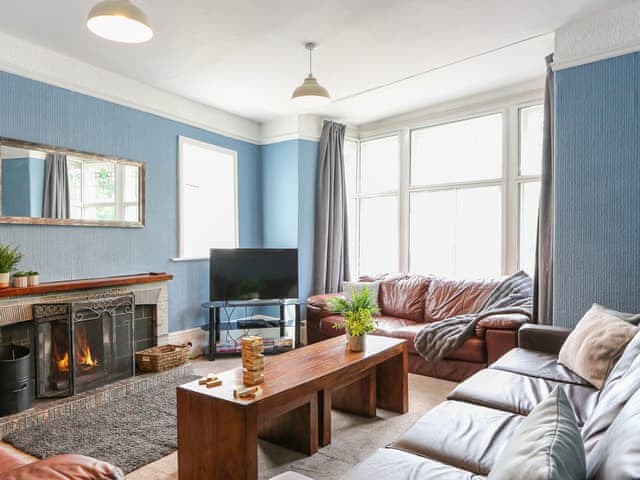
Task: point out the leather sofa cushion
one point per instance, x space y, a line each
617 455
520 394
622 383
11 458
392 464
547 445
463 435
472 350
66 467
536 364
319 302
403 296
448 298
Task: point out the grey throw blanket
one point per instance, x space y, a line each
438 339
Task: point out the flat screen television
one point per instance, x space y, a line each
253 273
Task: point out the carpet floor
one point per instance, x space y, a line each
130 432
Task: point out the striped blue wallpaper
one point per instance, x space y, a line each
597 240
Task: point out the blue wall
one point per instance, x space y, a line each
280 194
38 112
597 240
16 196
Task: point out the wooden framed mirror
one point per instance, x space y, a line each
47 185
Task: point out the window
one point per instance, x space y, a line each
456 199
207 198
100 190
372 178
531 121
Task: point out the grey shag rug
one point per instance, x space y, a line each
130 432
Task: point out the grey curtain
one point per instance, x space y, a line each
543 276
331 256
56 187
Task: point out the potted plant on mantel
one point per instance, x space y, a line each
20 280
356 313
33 278
9 258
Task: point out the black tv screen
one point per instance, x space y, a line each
253 273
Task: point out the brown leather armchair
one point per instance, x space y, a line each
407 302
15 465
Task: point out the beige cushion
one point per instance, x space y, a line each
350 288
290 476
594 346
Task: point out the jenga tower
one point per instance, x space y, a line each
252 360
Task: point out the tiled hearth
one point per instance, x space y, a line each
44 410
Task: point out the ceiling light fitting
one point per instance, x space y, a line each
119 21
310 93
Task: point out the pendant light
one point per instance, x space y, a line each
119 21
310 93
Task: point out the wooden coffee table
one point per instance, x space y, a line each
218 435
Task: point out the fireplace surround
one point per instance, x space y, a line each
84 344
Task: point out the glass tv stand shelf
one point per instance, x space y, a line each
272 345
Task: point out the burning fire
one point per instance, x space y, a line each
84 356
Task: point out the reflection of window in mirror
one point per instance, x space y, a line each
103 190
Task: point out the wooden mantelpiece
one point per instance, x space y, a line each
86 284
16 304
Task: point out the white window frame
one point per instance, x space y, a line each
182 141
509 182
359 196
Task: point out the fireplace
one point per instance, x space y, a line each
83 344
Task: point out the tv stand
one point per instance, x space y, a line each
215 323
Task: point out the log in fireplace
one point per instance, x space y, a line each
83 344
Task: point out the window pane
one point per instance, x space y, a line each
208 200
100 212
457 152
380 165
531 124
379 235
351 169
75 187
529 198
99 182
130 184
456 233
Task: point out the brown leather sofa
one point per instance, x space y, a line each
461 438
15 465
407 302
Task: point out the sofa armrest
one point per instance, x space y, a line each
65 467
543 338
511 321
318 303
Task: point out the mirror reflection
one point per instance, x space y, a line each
69 187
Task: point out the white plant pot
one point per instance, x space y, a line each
33 280
20 282
357 344
4 280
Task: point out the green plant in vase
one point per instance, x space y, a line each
10 257
20 279
33 278
357 314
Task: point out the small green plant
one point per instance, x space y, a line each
32 273
9 258
356 312
21 274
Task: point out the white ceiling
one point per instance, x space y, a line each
246 56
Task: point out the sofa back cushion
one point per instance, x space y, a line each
622 383
617 454
403 296
448 297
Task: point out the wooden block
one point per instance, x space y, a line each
214 383
207 379
245 392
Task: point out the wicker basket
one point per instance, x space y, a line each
157 359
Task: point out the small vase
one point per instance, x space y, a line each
4 280
357 343
20 282
33 280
